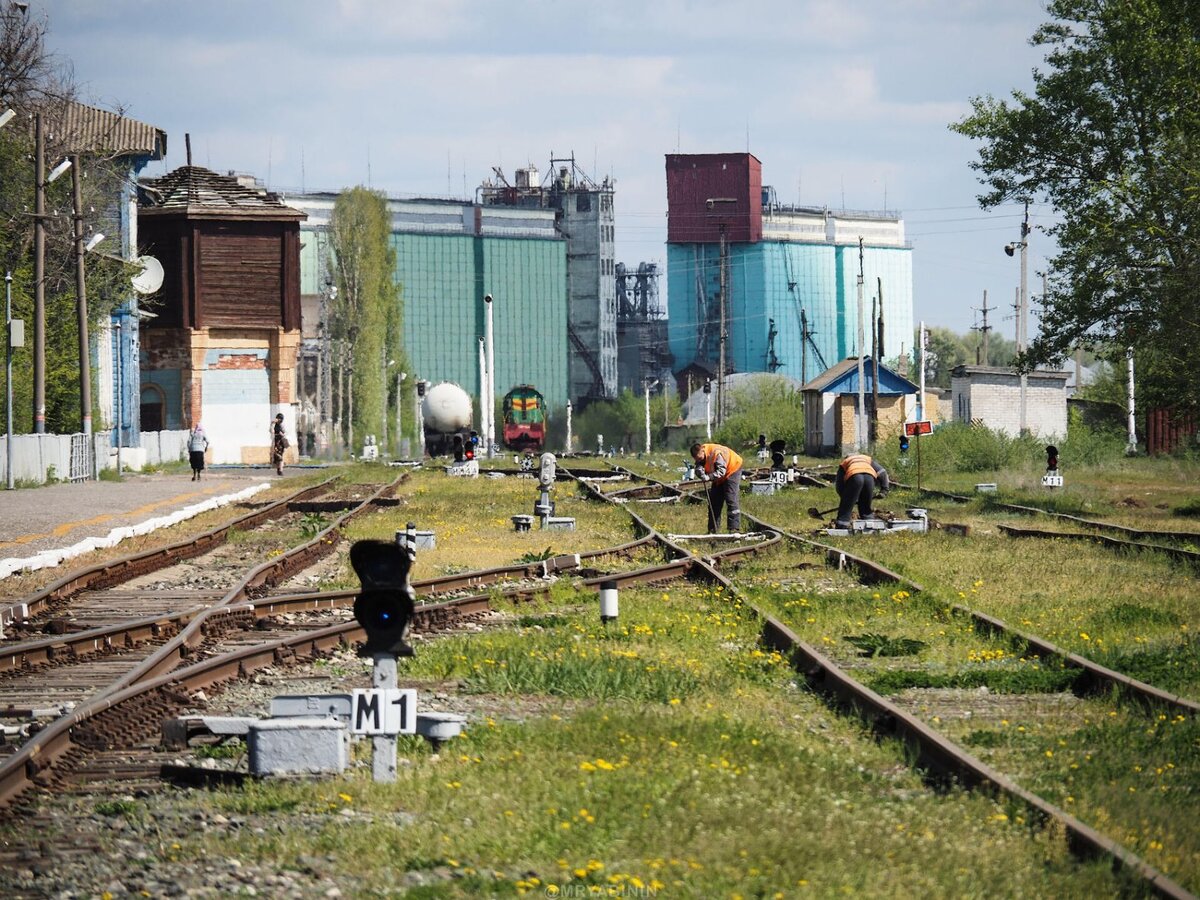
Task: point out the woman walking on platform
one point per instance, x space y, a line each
197 444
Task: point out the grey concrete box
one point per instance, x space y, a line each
440 726
321 706
560 523
301 746
762 487
422 540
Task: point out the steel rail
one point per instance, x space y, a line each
1095 677
932 750
107 574
1143 533
1176 553
42 651
78 727
52 742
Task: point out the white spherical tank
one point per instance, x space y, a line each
446 408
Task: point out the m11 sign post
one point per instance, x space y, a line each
916 429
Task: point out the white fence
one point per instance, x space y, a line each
39 458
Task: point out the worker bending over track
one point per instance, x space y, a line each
721 468
858 476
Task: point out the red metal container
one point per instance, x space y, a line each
711 193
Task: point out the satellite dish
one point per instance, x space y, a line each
150 278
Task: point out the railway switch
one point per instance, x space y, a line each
385 605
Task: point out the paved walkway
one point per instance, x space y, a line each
58 516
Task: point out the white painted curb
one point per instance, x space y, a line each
51 558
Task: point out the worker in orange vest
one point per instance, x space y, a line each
857 478
721 468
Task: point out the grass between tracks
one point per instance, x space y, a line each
662 754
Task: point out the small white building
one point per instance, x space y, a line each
991 396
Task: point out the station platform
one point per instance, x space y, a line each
43 526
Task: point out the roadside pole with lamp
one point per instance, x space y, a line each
398 451
120 398
14 336
1022 310
41 180
649 386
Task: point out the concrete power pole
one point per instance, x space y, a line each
860 424
39 278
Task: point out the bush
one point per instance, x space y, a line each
1089 446
959 447
768 405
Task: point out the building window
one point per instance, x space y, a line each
153 408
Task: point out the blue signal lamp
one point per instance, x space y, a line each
384 608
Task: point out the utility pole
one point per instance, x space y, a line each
1022 307
8 349
1023 316
39 277
722 334
489 400
862 402
873 423
877 344
803 347
1131 447
984 329
85 362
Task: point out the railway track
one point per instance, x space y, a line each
162 692
931 749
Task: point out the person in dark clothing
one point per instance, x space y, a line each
858 476
197 444
721 468
279 443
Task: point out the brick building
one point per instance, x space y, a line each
991 396
831 406
222 346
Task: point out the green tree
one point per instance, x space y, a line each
1111 138
766 405
365 317
33 81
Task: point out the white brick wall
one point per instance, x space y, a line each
994 397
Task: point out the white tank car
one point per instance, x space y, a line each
447 411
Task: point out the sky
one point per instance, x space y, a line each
846 103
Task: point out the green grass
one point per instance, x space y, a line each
715 777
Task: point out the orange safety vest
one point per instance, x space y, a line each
709 453
857 464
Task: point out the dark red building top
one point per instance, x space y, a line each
708 193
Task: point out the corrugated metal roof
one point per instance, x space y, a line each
202 193
86 129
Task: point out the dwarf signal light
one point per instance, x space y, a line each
1052 459
903 443
777 449
385 605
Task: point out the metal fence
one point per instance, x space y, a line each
41 458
